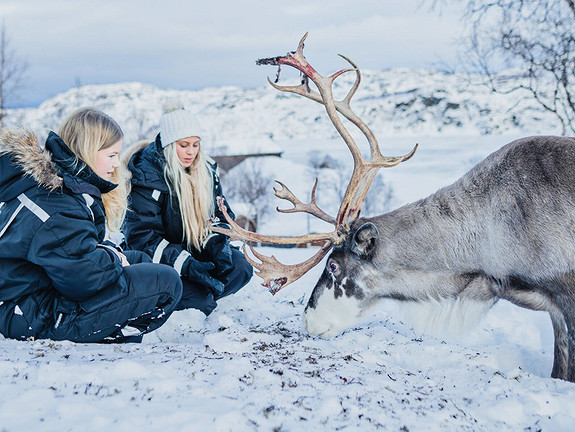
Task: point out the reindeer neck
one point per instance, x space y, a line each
432 233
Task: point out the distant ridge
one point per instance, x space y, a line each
398 102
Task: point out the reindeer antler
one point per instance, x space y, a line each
275 274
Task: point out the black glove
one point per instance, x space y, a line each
219 251
199 272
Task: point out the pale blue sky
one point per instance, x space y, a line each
188 44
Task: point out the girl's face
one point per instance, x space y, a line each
187 150
107 160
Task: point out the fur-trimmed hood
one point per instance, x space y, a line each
133 149
23 147
146 162
25 164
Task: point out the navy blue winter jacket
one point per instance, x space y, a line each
52 225
153 223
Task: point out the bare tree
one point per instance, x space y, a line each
333 176
145 129
248 183
379 198
12 73
317 161
78 91
533 38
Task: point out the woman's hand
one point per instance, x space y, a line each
123 258
218 250
199 272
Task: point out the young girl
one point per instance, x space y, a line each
173 200
59 278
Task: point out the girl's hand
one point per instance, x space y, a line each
119 254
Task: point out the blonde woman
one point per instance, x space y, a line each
173 199
61 278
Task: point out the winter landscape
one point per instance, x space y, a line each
249 366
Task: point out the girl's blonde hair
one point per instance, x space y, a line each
87 131
193 188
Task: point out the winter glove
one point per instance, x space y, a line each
199 272
219 251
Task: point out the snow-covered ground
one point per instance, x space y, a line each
250 366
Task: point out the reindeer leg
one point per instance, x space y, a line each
561 353
569 318
528 296
563 319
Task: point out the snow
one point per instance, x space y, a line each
249 366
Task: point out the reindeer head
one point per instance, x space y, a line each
352 248
345 289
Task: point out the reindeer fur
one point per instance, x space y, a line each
505 230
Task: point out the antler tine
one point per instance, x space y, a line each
301 44
337 74
391 161
236 232
277 275
355 86
342 107
359 186
300 89
325 97
298 206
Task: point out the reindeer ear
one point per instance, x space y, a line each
363 241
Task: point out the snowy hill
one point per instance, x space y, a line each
401 102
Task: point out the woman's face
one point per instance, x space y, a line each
107 160
187 150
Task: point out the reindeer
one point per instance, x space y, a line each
505 230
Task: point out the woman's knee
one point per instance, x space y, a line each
244 270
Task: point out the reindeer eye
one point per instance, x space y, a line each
333 267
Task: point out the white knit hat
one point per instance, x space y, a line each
177 123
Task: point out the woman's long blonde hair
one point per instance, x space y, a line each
87 131
193 188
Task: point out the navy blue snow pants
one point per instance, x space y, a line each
140 302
